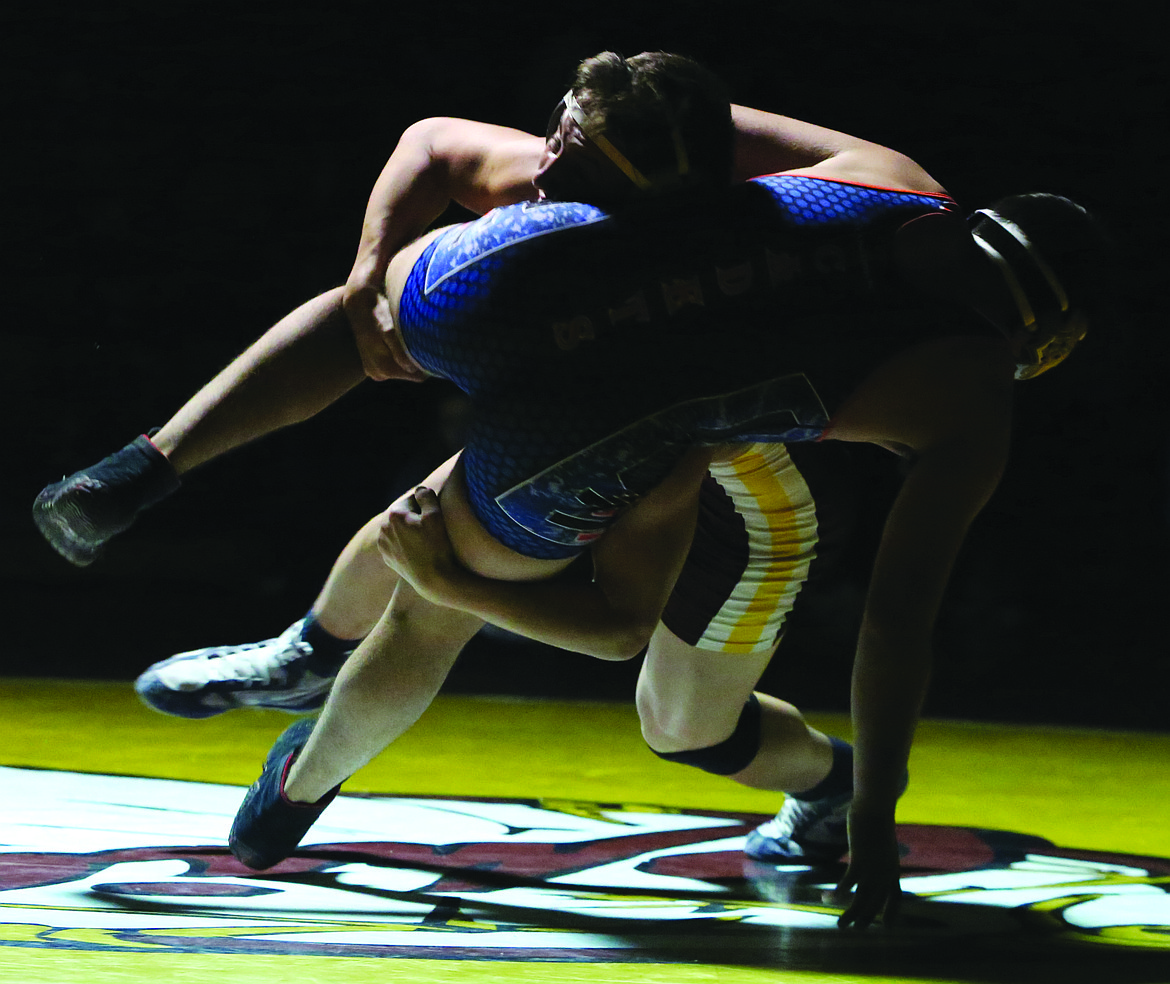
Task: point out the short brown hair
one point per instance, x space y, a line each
650 98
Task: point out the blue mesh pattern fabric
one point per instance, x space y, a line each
597 348
808 201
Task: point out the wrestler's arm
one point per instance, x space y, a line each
483 166
635 566
766 143
957 426
436 161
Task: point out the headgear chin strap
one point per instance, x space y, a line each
594 129
1038 292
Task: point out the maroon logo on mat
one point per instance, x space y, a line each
113 865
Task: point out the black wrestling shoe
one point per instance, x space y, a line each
78 514
268 825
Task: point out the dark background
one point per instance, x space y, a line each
177 175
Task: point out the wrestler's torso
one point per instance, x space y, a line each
597 348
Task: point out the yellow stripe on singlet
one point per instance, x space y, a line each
781 524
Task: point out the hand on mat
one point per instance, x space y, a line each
413 541
872 874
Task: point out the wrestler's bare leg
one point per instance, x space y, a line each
358 589
395 673
691 698
687 698
382 689
305 362
302 364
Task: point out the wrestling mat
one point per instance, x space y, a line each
119 877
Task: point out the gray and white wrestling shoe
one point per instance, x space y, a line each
803 832
806 831
281 674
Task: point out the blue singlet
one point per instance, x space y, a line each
597 348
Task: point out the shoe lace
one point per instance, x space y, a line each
794 816
798 819
257 663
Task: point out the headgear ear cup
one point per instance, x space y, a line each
1038 292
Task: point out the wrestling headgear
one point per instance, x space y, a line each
1039 294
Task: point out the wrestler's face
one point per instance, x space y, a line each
574 169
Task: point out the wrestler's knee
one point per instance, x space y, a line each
734 754
665 724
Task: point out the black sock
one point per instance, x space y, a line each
840 777
124 483
329 652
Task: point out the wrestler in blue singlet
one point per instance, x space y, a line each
597 348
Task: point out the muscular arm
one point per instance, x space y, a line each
482 166
944 489
766 143
437 161
950 403
635 567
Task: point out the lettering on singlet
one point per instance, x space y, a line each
574 501
714 283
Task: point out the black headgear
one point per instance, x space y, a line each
1038 292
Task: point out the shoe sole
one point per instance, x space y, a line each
232 702
756 853
57 521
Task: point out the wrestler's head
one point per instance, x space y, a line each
636 127
1052 255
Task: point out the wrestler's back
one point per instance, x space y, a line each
553 369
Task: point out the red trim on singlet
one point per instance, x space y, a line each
855 184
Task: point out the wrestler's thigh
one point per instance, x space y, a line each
690 697
476 548
414 630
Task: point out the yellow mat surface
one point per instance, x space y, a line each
1097 791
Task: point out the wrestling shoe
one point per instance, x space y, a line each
78 514
268 825
281 674
805 831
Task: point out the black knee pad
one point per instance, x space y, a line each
730 755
